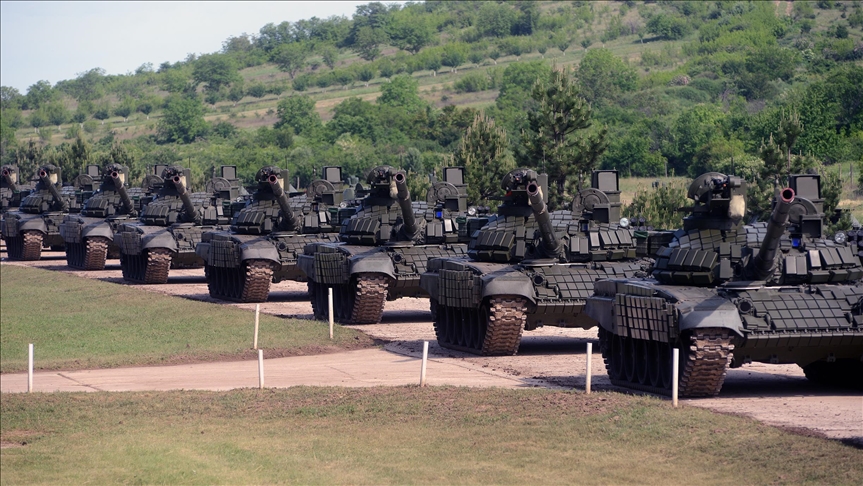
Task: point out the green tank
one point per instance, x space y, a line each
726 294
36 223
528 268
89 235
11 192
268 234
385 246
171 224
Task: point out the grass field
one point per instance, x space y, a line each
406 435
79 323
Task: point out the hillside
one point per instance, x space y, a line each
682 87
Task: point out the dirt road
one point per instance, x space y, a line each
775 394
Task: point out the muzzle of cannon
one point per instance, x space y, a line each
284 203
124 196
46 181
762 264
404 199
189 211
550 242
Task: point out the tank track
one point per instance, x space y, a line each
89 255
495 330
703 365
371 296
318 296
251 284
149 268
27 247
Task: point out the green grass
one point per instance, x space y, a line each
78 323
399 436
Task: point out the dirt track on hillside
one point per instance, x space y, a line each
775 394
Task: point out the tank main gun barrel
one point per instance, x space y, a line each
284 203
124 196
43 176
191 214
762 264
550 242
404 199
7 178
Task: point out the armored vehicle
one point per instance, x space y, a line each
171 225
385 246
726 294
36 223
529 268
267 235
11 192
89 235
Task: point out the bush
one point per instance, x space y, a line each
472 82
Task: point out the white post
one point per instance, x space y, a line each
674 372
425 359
257 320
330 309
30 368
261 368
589 371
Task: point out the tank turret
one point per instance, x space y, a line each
177 179
9 174
275 184
11 192
118 177
551 245
382 211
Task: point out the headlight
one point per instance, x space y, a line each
840 237
343 205
624 222
471 211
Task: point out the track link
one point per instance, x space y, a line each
158 265
95 253
32 245
710 353
256 284
506 319
371 296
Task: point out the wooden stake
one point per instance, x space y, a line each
675 370
425 360
30 368
330 309
261 368
589 371
257 321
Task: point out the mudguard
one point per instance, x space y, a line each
429 283
156 237
702 307
306 263
377 262
34 223
507 282
203 250
96 228
257 248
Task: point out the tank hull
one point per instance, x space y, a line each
26 233
382 273
90 241
241 267
803 325
147 252
466 295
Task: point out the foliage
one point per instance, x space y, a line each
183 119
298 113
604 77
401 92
290 58
484 153
215 71
659 205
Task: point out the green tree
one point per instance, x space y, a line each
410 32
368 42
495 19
10 98
183 119
257 90
298 113
329 54
454 55
175 81
659 206
147 104
484 153
125 108
237 92
402 92
291 58
555 140
668 26
215 71
38 94
56 113
102 112
604 76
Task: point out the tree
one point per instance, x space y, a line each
365 73
10 98
183 119
603 76
402 92
291 58
147 105
484 153
454 55
257 90
38 94
368 42
56 113
175 81
125 108
552 142
668 26
298 113
102 112
215 71
236 93
410 32
329 54
496 20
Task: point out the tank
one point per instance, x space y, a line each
726 294
36 223
385 246
11 192
527 267
89 235
267 235
171 224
